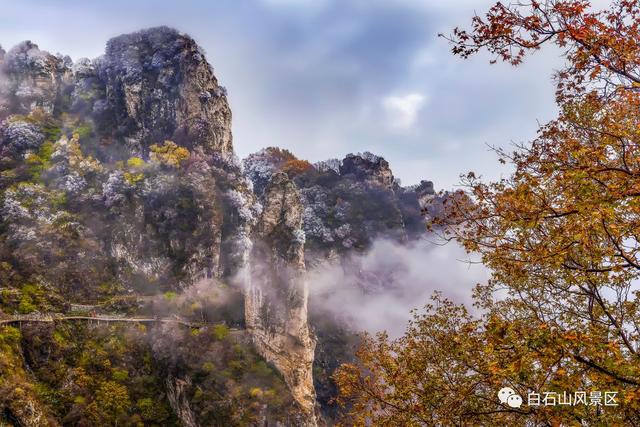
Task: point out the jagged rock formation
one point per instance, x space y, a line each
118 178
118 184
159 86
347 204
276 304
367 168
31 79
179 401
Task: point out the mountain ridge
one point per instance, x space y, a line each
119 186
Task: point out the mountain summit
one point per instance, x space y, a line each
147 276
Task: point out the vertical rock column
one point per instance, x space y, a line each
276 300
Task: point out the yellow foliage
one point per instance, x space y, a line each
169 154
135 162
133 178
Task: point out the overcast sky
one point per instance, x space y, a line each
327 77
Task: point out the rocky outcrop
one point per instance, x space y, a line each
347 205
349 202
158 86
179 401
276 303
32 78
260 166
118 178
367 168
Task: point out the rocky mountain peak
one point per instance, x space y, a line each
31 78
27 60
158 84
119 183
119 190
369 168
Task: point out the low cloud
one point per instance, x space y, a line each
377 291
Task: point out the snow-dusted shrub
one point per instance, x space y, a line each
25 57
370 157
73 183
259 167
115 189
247 211
18 136
299 236
316 210
328 165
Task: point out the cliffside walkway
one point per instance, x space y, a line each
51 318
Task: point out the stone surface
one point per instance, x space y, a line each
159 86
277 293
91 212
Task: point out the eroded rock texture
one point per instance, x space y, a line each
159 85
120 190
346 206
119 181
276 303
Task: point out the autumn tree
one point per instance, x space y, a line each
418 378
296 167
168 154
561 236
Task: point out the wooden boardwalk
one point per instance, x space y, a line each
52 318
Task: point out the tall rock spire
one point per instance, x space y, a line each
276 296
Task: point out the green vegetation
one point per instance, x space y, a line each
135 174
170 295
109 375
133 178
119 375
80 241
50 126
112 401
32 297
26 305
40 161
220 332
83 131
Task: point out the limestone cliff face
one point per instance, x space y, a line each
118 178
32 78
276 302
347 204
179 401
159 85
367 168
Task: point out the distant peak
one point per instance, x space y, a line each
368 156
367 167
154 37
25 56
